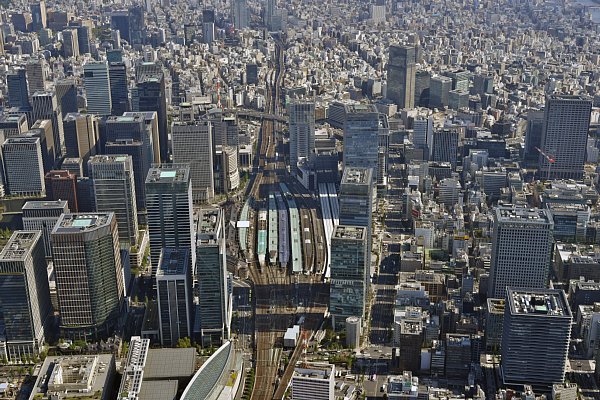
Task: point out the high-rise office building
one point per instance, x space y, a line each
350 273
402 76
66 95
114 190
84 34
62 185
445 145
151 121
521 249
423 135
208 26
25 295
36 70
439 91
314 381
533 136
226 172
137 25
74 165
119 20
119 91
150 95
170 213
174 295
356 197
45 106
211 276
89 274
42 216
564 136
361 136
192 144
18 94
240 13
97 87
38 15
13 125
302 131
535 337
17 152
70 43
43 129
81 136
422 84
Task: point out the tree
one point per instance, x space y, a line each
184 343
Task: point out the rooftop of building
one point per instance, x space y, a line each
510 213
71 223
208 225
45 205
66 377
60 174
130 117
173 261
411 327
356 108
538 302
170 363
109 158
357 176
168 174
147 115
29 139
349 232
158 390
11 118
314 370
18 245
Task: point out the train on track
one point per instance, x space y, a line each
261 242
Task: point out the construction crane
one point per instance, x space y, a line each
548 158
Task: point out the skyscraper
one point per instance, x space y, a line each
38 15
84 33
70 43
62 185
170 214
36 70
119 20
521 249
439 91
402 75
45 106
66 95
533 136
192 144
422 83
535 338
302 131
174 295
129 134
211 275
564 136
18 94
97 87
361 136
81 136
42 216
356 197
423 135
25 295
349 274
240 14
89 274
445 145
208 26
119 91
137 25
22 151
314 381
114 190
150 95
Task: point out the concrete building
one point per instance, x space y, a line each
18 93
521 247
439 91
302 131
86 252
66 95
494 319
174 295
70 43
240 14
81 136
361 136
97 87
313 381
119 90
73 377
36 70
535 340
170 214
210 273
114 190
445 146
401 75
192 144
25 296
349 274
42 216
564 136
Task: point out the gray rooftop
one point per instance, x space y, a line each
18 245
170 363
538 302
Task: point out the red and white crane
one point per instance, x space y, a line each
548 158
